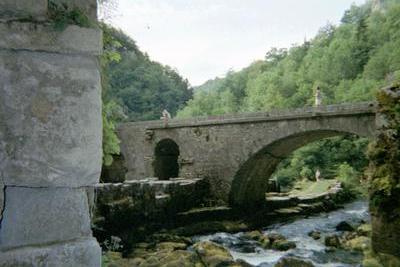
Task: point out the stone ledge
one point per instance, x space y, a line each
35 216
81 253
44 38
17 9
273 115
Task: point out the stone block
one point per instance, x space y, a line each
50 119
35 216
40 37
17 9
82 253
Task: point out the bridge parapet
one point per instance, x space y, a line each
276 114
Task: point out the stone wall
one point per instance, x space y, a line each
133 209
50 135
237 153
384 156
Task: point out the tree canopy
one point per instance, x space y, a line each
142 87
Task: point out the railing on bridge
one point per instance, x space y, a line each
277 114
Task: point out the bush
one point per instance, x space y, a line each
307 173
350 178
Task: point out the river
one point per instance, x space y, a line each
297 231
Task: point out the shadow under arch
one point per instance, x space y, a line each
166 159
251 180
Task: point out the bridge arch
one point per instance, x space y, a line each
250 183
165 164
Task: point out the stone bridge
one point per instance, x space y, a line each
237 153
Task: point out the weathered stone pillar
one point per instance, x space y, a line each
384 169
50 133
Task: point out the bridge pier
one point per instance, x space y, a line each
50 135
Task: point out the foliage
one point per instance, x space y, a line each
350 178
325 155
306 173
112 112
142 87
61 16
348 62
347 174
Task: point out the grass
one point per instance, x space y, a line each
307 188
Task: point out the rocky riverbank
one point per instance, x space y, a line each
335 236
183 253
165 240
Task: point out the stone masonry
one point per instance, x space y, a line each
50 135
238 153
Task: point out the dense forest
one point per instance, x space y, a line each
349 62
142 87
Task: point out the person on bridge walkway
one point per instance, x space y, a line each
165 117
318 97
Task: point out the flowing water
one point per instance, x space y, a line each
297 231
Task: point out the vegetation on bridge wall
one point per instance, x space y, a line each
384 155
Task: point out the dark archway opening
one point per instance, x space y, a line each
166 160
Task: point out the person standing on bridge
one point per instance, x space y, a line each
318 97
165 117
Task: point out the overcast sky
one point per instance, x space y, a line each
203 39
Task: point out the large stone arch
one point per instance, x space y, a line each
251 179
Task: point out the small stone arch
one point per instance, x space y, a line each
251 180
166 164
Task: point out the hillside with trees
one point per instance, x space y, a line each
142 87
349 62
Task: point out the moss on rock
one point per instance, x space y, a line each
384 155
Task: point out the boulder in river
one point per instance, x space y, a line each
265 242
333 241
212 254
315 235
364 230
254 235
171 246
270 240
359 243
275 236
293 262
283 245
344 226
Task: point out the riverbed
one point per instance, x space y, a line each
297 231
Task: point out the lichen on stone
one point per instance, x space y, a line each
384 174
384 152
